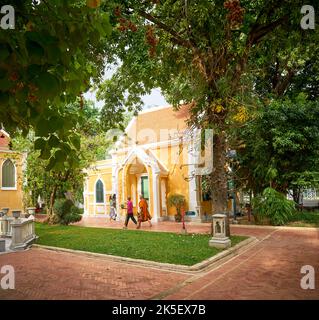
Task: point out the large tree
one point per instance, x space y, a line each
280 147
63 177
202 53
53 55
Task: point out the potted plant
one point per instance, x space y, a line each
178 201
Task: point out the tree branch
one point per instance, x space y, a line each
255 36
282 85
259 31
175 36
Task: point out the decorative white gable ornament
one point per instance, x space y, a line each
219 239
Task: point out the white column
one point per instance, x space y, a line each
139 186
156 197
192 184
163 196
119 217
86 197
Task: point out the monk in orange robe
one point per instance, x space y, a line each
144 215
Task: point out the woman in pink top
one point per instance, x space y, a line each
130 214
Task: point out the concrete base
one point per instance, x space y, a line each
183 231
2 245
23 246
220 243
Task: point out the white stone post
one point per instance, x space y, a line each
219 239
3 226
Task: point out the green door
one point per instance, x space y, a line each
145 191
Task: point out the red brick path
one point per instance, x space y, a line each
268 270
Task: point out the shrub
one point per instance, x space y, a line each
178 201
273 206
66 212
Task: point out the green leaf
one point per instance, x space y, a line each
56 123
76 141
35 51
48 84
60 155
54 142
6 84
45 154
42 128
4 53
51 164
54 54
40 144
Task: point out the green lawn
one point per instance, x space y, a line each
305 219
155 246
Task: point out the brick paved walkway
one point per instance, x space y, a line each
268 270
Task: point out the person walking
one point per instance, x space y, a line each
112 201
129 214
144 215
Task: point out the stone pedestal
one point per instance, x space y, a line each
220 243
219 239
5 226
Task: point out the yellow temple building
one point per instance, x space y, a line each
153 158
11 175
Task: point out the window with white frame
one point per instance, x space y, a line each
8 175
99 192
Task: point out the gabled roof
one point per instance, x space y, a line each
4 140
146 158
154 125
2 131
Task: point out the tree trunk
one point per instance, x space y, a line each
52 201
219 178
296 194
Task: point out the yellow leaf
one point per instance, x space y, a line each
242 115
219 108
29 26
93 3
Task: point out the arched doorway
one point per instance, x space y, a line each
141 173
137 182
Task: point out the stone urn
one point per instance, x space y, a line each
5 211
31 210
16 214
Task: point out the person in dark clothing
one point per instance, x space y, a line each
129 214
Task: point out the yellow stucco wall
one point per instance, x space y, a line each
150 127
12 199
93 175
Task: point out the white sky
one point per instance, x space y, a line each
155 99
